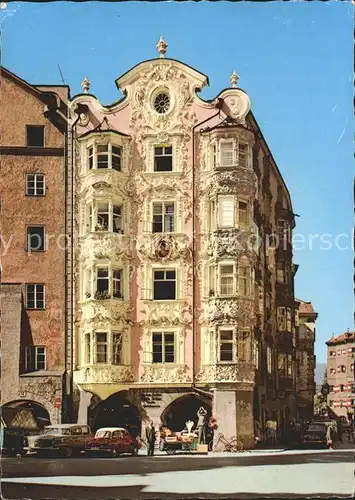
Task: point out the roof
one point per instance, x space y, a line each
63 426
342 338
305 307
111 429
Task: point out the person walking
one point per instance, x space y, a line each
150 435
329 437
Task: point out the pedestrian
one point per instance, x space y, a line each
274 431
150 435
269 431
329 437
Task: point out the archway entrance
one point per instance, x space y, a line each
25 414
117 411
183 409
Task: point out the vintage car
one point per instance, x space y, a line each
315 433
62 439
112 441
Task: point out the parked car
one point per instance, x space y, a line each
63 439
112 441
315 433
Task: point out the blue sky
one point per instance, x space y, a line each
293 59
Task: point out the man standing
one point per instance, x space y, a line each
150 434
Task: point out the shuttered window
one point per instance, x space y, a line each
226 211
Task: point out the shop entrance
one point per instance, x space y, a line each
117 411
183 409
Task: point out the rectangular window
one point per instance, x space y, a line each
117 219
226 211
243 215
87 347
164 284
89 218
280 273
282 231
269 359
282 365
243 151
281 319
226 283
244 346
35 135
163 217
227 153
163 159
35 358
102 217
102 280
35 239
35 185
117 348
214 155
288 319
289 365
256 354
163 347
117 283
244 280
116 158
91 157
226 345
102 156
101 347
35 296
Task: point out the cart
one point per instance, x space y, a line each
174 443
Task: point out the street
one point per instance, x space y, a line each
296 473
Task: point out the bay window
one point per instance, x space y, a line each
87 348
232 212
103 283
104 216
244 345
227 345
226 279
232 153
104 156
117 348
227 156
117 283
101 347
104 347
244 279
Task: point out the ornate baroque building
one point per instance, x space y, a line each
180 297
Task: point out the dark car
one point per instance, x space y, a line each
112 441
62 439
315 434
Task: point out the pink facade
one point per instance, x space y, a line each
171 292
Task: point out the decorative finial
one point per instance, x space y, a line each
234 79
85 85
161 47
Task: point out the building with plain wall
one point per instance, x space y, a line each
32 293
181 297
340 373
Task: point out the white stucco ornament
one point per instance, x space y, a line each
237 103
85 85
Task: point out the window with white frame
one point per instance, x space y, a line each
243 154
87 348
164 284
104 156
163 347
280 272
244 346
289 365
163 217
269 359
282 364
244 279
35 358
163 159
35 185
256 354
243 214
101 347
227 153
227 345
288 319
281 319
102 280
106 216
226 279
117 348
226 211
117 283
211 281
35 297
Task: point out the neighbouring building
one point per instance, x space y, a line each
32 293
340 373
182 258
305 358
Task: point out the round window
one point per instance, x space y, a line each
162 102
